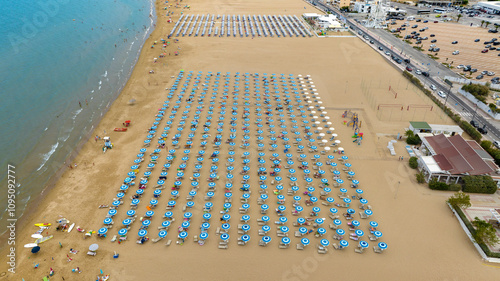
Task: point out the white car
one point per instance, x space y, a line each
442 94
433 87
496 144
418 72
456 52
460 66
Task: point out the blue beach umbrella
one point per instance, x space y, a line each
337 222
122 232
162 233
146 222
266 228
324 242
102 230
344 243
108 221
127 221
183 235
245 238
207 216
285 240
359 232
304 241
142 233
377 234
165 224
224 236
340 232
131 213
168 214
363 244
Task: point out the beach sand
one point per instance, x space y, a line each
425 240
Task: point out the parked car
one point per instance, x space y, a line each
492 48
415 26
484 51
477 40
496 43
473 70
456 52
380 48
488 46
387 53
371 42
418 42
474 123
418 72
482 130
442 94
480 76
435 21
433 87
454 42
426 21
496 144
426 74
492 31
490 73
425 38
432 35
418 20
434 41
460 66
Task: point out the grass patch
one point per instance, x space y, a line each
418 48
433 57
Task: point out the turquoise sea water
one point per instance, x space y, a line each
56 55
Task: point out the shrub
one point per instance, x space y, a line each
420 177
493 151
434 184
414 140
478 91
413 162
455 187
479 184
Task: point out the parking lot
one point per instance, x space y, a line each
469 51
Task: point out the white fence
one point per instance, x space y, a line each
468 81
479 104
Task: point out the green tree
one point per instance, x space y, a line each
344 8
487 23
420 177
485 232
409 133
459 200
413 162
458 17
482 22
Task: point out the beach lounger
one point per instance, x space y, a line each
281 246
300 247
90 253
359 250
113 239
377 250
222 246
195 238
241 243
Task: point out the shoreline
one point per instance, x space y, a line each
34 203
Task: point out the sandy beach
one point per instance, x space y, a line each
425 240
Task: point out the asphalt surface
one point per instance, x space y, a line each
416 59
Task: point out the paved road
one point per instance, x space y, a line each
463 107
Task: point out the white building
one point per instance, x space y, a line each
362 7
490 7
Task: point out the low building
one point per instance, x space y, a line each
362 7
450 158
489 7
435 129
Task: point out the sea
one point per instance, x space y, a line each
63 63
